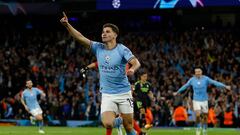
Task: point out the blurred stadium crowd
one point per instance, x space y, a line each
52 59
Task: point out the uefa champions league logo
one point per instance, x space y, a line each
116 3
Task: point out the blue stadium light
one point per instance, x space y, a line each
155 18
73 19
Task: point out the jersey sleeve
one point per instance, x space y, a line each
216 83
39 91
185 86
95 46
136 86
127 54
150 87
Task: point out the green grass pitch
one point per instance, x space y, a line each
101 131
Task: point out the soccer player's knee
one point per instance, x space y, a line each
198 114
39 117
108 124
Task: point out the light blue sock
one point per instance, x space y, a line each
199 125
117 122
204 126
131 133
40 124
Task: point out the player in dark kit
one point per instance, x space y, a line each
143 98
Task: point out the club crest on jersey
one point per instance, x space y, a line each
107 59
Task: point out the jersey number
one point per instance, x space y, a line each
130 100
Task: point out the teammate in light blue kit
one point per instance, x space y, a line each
200 83
29 101
112 58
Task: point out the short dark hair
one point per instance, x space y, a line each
28 80
143 72
198 67
113 26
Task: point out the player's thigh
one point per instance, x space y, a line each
196 106
108 118
37 113
127 121
108 104
125 103
39 117
204 107
109 109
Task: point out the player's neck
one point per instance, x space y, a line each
111 45
143 81
198 77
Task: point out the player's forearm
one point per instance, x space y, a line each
183 88
92 65
78 36
43 95
23 103
218 84
135 64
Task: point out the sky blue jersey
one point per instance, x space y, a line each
200 86
30 98
112 66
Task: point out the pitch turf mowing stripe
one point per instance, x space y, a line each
101 131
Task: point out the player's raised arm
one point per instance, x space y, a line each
183 88
218 84
75 34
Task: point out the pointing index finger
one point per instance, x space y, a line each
64 14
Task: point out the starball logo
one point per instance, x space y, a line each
116 3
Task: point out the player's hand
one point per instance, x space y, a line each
228 87
64 20
175 93
130 72
84 70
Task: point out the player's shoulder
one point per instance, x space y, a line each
96 43
193 78
137 83
35 88
148 83
24 91
205 77
122 46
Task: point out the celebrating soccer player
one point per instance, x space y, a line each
30 103
200 83
112 58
